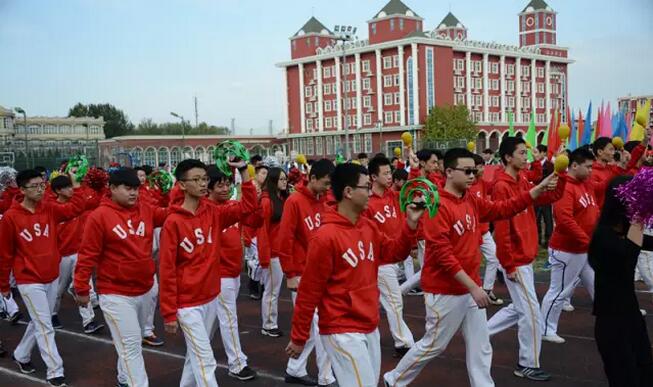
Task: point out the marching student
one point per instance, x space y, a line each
117 245
383 208
69 237
255 283
231 262
454 299
191 244
29 249
481 189
575 215
275 193
517 245
302 214
340 278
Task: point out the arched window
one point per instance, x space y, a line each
175 156
163 155
149 157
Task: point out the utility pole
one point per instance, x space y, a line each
233 127
344 34
196 115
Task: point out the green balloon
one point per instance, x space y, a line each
428 190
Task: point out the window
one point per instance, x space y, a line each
401 24
366 66
348 121
460 64
478 116
540 87
309 108
387 81
478 83
319 149
373 28
540 117
387 99
397 116
327 122
329 145
367 101
526 87
525 71
494 84
387 62
347 86
540 72
477 66
396 79
353 85
326 72
494 67
327 89
387 117
526 102
327 105
366 84
511 86
540 103
395 61
307 91
460 99
367 119
494 101
309 124
392 24
347 103
335 104
309 146
357 143
368 143
460 82
354 103
397 99
510 102
511 69
478 100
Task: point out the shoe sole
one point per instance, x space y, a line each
91 331
151 344
266 333
554 341
58 385
290 381
23 371
242 378
520 375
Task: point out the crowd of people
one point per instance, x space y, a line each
336 232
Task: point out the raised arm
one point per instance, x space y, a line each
287 230
237 212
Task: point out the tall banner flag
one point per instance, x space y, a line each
531 136
587 128
573 135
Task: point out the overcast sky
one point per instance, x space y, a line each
151 57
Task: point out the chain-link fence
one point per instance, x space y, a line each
47 153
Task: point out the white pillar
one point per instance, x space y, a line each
379 86
402 87
533 89
359 102
414 53
338 95
468 79
547 90
502 85
302 114
320 105
518 90
486 108
285 102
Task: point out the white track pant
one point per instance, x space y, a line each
66 270
125 317
445 315
9 305
39 301
523 311
297 367
414 280
198 324
356 358
228 317
489 251
566 269
645 266
272 279
150 308
393 304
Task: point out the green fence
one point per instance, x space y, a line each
48 154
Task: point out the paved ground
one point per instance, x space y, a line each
90 360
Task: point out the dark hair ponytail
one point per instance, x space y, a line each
277 196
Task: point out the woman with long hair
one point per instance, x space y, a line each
275 193
620 329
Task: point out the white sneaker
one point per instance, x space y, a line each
568 308
553 339
643 312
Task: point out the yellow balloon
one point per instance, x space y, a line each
563 132
618 142
301 159
561 163
397 152
356 162
637 134
251 171
407 138
640 117
471 146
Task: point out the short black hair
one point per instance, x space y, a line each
321 168
216 176
581 155
600 144
255 159
124 176
508 147
256 169
630 145
478 159
380 154
139 169
187 165
148 169
60 182
40 169
362 155
453 154
425 154
376 163
345 175
542 148
23 177
488 151
438 153
399 174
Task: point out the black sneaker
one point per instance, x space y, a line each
153 341
15 318
93 327
416 292
274 332
244 374
400 352
118 384
58 381
26 368
304 380
255 290
3 352
56 324
535 374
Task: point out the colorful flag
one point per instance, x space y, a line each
580 127
531 136
587 128
573 134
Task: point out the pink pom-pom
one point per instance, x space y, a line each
637 196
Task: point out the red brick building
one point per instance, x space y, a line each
386 84
629 104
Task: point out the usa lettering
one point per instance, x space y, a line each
122 234
312 224
388 212
200 239
586 200
352 258
469 224
37 231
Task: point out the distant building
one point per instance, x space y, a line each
630 104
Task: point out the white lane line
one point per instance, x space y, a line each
21 375
153 350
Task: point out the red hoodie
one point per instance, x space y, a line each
602 174
29 240
341 275
189 268
267 236
69 233
301 218
516 238
385 211
7 197
453 238
481 188
231 242
575 216
117 242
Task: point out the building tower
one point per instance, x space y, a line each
394 21
537 24
310 37
452 28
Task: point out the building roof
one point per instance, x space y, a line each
536 5
395 7
450 21
6 112
313 26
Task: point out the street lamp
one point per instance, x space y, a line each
344 34
379 126
183 130
22 111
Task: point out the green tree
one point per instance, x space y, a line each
116 122
147 127
446 123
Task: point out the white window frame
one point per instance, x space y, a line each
307 91
395 61
386 119
387 81
494 67
397 116
367 119
366 84
387 62
397 98
366 65
396 79
387 99
367 101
